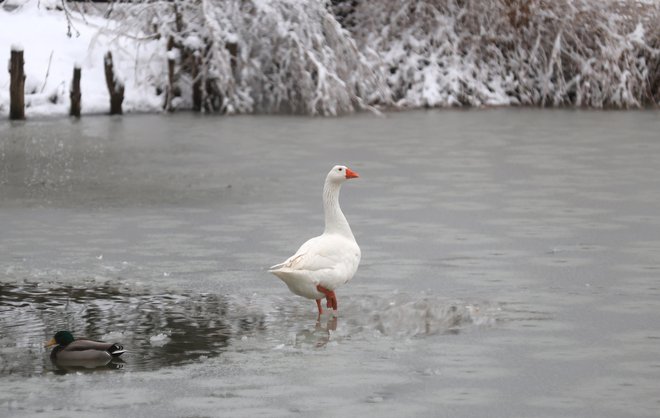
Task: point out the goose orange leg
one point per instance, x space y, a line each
330 297
318 304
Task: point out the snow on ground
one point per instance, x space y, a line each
50 55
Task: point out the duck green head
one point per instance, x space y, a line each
61 338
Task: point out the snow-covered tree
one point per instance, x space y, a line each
265 56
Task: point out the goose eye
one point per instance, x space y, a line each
340 169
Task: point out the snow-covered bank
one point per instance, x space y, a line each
309 57
50 54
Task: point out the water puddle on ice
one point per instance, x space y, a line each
158 330
161 329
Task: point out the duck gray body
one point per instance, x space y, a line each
68 349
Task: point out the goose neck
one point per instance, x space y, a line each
335 221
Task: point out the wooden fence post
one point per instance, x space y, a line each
75 92
16 84
115 86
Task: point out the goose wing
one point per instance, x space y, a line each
329 260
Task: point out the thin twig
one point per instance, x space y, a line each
50 59
69 23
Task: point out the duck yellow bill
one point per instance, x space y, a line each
51 343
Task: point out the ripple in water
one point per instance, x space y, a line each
161 330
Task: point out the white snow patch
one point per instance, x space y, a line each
193 42
638 34
173 54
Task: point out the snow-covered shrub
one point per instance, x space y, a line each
264 55
600 53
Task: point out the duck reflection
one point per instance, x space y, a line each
67 366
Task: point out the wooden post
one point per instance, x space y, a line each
115 87
16 84
75 92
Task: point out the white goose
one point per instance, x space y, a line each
325 262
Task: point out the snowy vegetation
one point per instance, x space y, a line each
327 58
595 53
263 56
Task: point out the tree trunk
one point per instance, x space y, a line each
115 87
232 47
16 86
171 62
197 82
75 93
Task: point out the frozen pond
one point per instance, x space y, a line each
511 265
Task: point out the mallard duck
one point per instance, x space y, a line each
69 349
325 262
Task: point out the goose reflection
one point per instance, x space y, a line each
317 334
330 325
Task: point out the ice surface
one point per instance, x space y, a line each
460 303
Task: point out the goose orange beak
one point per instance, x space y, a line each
350 174
51 343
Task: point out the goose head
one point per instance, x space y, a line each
341 173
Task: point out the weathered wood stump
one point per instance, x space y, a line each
16 85
115 86
75 92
